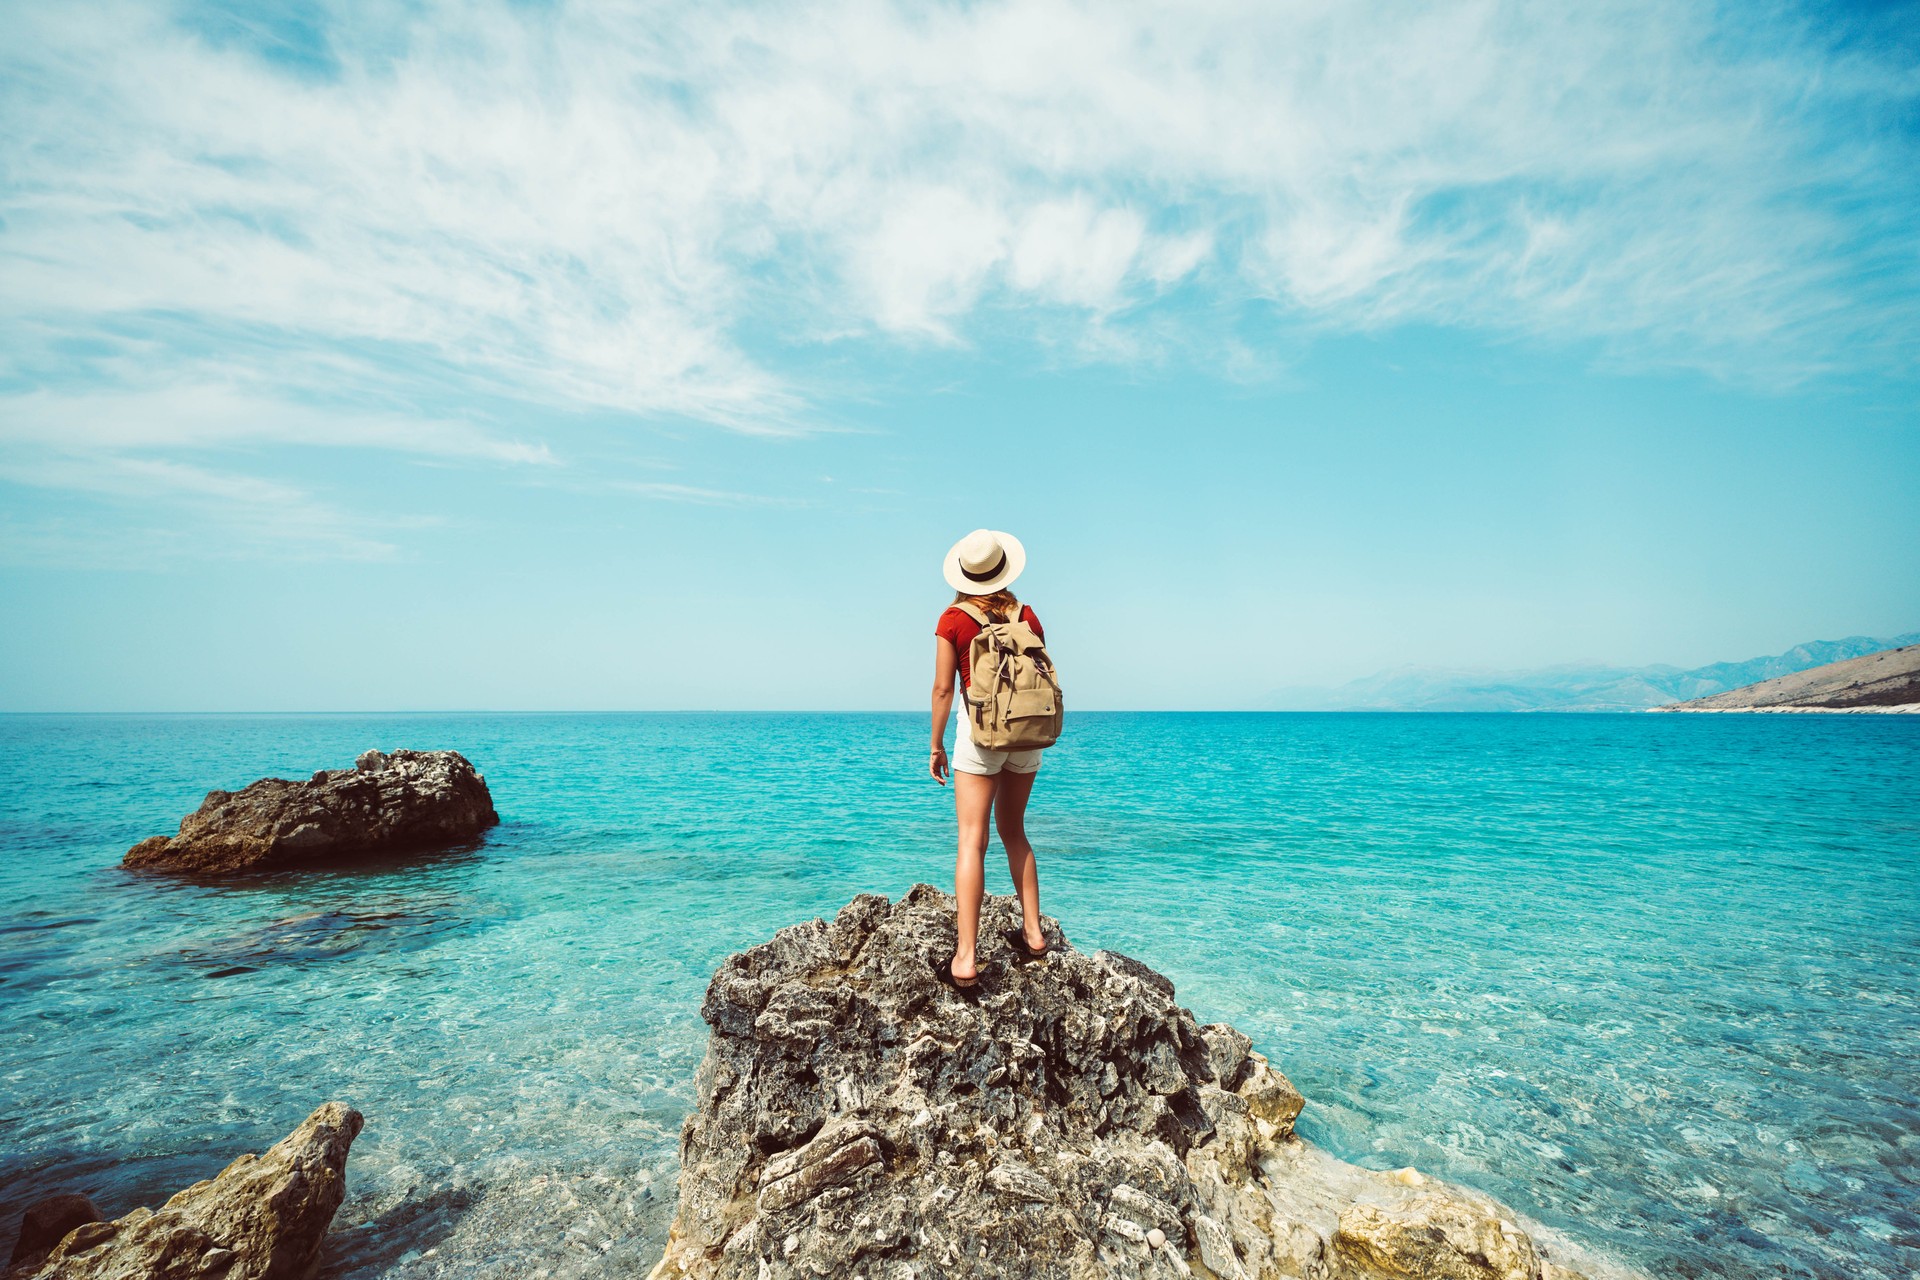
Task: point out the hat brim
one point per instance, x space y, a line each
1016 561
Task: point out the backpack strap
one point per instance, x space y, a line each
975 612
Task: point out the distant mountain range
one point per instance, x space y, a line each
1573 688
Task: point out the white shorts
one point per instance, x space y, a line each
968 758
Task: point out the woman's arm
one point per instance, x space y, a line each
946 664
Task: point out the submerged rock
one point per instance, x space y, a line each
1067 1120
46 1223
398 803
262 1218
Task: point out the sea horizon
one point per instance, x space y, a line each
778 711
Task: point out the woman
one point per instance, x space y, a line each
980 568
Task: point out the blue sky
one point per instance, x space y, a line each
371 356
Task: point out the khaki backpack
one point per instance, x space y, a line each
1014 700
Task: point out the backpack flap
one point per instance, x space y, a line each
1030 702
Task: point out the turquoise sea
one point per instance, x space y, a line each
1653 980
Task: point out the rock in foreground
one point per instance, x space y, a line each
398 803
1069 1120
262 1218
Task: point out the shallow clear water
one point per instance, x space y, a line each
1653 980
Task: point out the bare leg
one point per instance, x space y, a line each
1010 817
972 804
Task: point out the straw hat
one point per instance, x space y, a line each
984 561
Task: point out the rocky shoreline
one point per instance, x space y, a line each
1069 1121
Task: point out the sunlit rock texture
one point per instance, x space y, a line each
1068 1120
262 1218
401 802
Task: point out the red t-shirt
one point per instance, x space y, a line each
958 629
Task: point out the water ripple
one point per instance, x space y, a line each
1653 980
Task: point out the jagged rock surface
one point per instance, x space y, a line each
262 1218
1068 1122
403 802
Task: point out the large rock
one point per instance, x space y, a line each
1068 1120
406 801
262 1218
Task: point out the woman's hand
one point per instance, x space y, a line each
938 765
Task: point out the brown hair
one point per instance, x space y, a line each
1001 604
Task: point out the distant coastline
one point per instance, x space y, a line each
1883 683
1575 687
1905 709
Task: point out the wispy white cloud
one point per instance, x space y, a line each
591 203
208 416
132 449
662 209
235 515
666 492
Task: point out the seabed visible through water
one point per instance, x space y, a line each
1652 980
